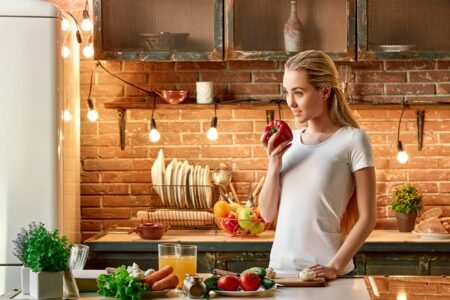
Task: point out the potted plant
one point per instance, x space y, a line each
46 254
19 243
407 203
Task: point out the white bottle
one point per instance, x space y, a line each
293 38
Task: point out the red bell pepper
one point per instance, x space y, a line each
285 133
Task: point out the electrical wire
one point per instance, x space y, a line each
400 120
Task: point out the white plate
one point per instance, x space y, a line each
259 292
201 192
181 181
207 187
174 183
191 186
167 182
432 236
162 173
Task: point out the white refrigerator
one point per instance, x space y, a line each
39 126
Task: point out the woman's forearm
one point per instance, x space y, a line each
269 196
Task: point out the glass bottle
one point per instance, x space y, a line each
293 38
195 288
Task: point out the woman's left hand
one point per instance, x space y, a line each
326 272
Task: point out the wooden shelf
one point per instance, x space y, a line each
263 104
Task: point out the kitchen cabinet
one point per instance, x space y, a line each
158 30
403 29
254 29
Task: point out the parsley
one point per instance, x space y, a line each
120 285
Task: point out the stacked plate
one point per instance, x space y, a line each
182 185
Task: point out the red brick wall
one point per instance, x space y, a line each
115 184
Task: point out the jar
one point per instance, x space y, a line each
194 288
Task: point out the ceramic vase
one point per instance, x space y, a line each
405 222
25 280
293 38
46 284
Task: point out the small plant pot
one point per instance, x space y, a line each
46 284
405 222
25 280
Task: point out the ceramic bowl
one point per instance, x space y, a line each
173 96
151 231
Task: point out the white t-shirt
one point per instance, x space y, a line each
316 184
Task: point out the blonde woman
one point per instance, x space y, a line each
321 186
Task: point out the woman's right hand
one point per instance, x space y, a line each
274 154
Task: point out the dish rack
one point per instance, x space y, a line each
186 196
200 219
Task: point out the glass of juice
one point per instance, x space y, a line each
186 261
167 255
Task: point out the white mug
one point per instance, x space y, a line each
204 92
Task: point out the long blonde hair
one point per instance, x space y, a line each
321 71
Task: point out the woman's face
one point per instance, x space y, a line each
304 100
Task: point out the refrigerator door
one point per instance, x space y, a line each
35 149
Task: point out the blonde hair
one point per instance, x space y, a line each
322 71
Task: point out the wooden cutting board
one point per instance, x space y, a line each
294 281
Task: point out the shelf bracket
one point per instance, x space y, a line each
420 118
122 126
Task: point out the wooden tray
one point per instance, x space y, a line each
294 281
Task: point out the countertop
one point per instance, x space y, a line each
216 240
348 288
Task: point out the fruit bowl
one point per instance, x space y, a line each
233 226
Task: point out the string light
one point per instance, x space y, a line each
154 134
88 50
212 133
65 25
65 51
86 24
92 114
402 156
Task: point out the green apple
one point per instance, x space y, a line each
257 228
247 218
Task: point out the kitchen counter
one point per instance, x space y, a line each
385 252
348 288
215 240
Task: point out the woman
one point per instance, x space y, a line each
322 184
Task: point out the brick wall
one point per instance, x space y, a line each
115 184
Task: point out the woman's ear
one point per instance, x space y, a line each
326 91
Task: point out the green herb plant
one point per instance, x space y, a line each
120 285
407 199
21 239
46 251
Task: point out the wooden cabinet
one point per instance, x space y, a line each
254 29
403 29
158 30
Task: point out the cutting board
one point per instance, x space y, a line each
294 281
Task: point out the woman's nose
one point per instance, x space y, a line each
290 101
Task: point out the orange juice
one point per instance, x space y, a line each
185 265
165 260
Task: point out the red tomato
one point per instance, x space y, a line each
228 283
250 281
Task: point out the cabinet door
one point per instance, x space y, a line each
254 29
158 30
403 29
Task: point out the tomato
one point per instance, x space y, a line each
285 133
228 283
250 281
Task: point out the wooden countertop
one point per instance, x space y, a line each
216 240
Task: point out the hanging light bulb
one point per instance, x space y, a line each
402 156
88 50
154 134
212 133
86 24
65 25
66 115
65 51
92 114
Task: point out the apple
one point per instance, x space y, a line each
234 206
247 218
229 224
257 228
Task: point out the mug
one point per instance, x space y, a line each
204 92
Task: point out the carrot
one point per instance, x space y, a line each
158 275
168 282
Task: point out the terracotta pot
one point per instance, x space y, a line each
405 222
151 231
